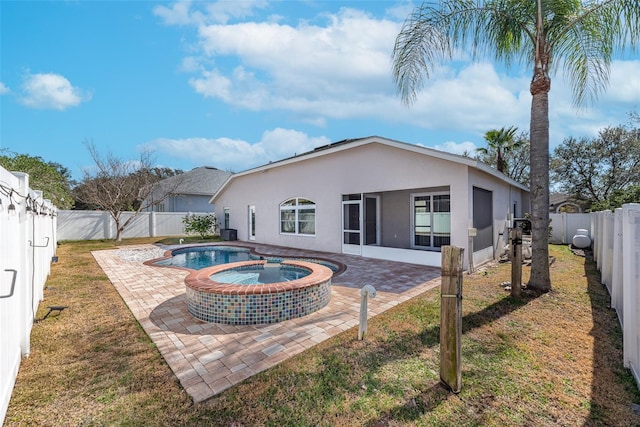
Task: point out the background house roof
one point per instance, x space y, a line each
558 200
203 180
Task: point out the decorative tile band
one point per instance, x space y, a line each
252 304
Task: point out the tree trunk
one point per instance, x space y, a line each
540 280
119 228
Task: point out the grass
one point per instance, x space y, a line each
551 360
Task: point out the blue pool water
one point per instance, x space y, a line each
206 256
200 257
270 273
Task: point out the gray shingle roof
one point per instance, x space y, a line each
203 180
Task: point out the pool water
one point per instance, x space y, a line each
259 275
207 256
199 257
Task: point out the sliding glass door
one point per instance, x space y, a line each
430 220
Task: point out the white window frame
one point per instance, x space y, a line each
296 208
252 222
412 230
226 217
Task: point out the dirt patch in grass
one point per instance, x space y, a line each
551 360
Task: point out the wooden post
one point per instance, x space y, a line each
515 236
451 318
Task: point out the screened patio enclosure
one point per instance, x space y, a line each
407 225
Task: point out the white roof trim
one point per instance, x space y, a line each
349 144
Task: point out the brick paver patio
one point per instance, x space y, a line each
208 358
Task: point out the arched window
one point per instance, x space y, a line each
298 216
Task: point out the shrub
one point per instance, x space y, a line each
202 224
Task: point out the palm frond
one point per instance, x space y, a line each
418 47
583 36
579 35
494 28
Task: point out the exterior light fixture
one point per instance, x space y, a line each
1 206
12 209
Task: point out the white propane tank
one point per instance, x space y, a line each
581 240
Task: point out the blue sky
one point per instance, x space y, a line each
236 84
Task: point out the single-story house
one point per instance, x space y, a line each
187 192
377 198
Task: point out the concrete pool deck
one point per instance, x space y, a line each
208 358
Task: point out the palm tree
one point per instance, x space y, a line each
580 35
500 142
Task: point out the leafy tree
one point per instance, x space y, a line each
598 170
53 179
618 198
117 186
164 172
544 34
204 225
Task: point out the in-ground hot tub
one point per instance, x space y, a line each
306 288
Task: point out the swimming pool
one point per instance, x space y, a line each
199 257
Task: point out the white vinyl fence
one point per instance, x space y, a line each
27 245
94 225
566 225
616 249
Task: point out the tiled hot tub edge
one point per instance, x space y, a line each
257 304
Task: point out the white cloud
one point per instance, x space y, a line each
611 108
476 98
50 91
338 66
223 11
4 89
624 82
337 70
191 64
235 154
400 11
182 13
213 84
178 14
342 70
457 148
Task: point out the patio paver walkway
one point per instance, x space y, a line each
208 358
